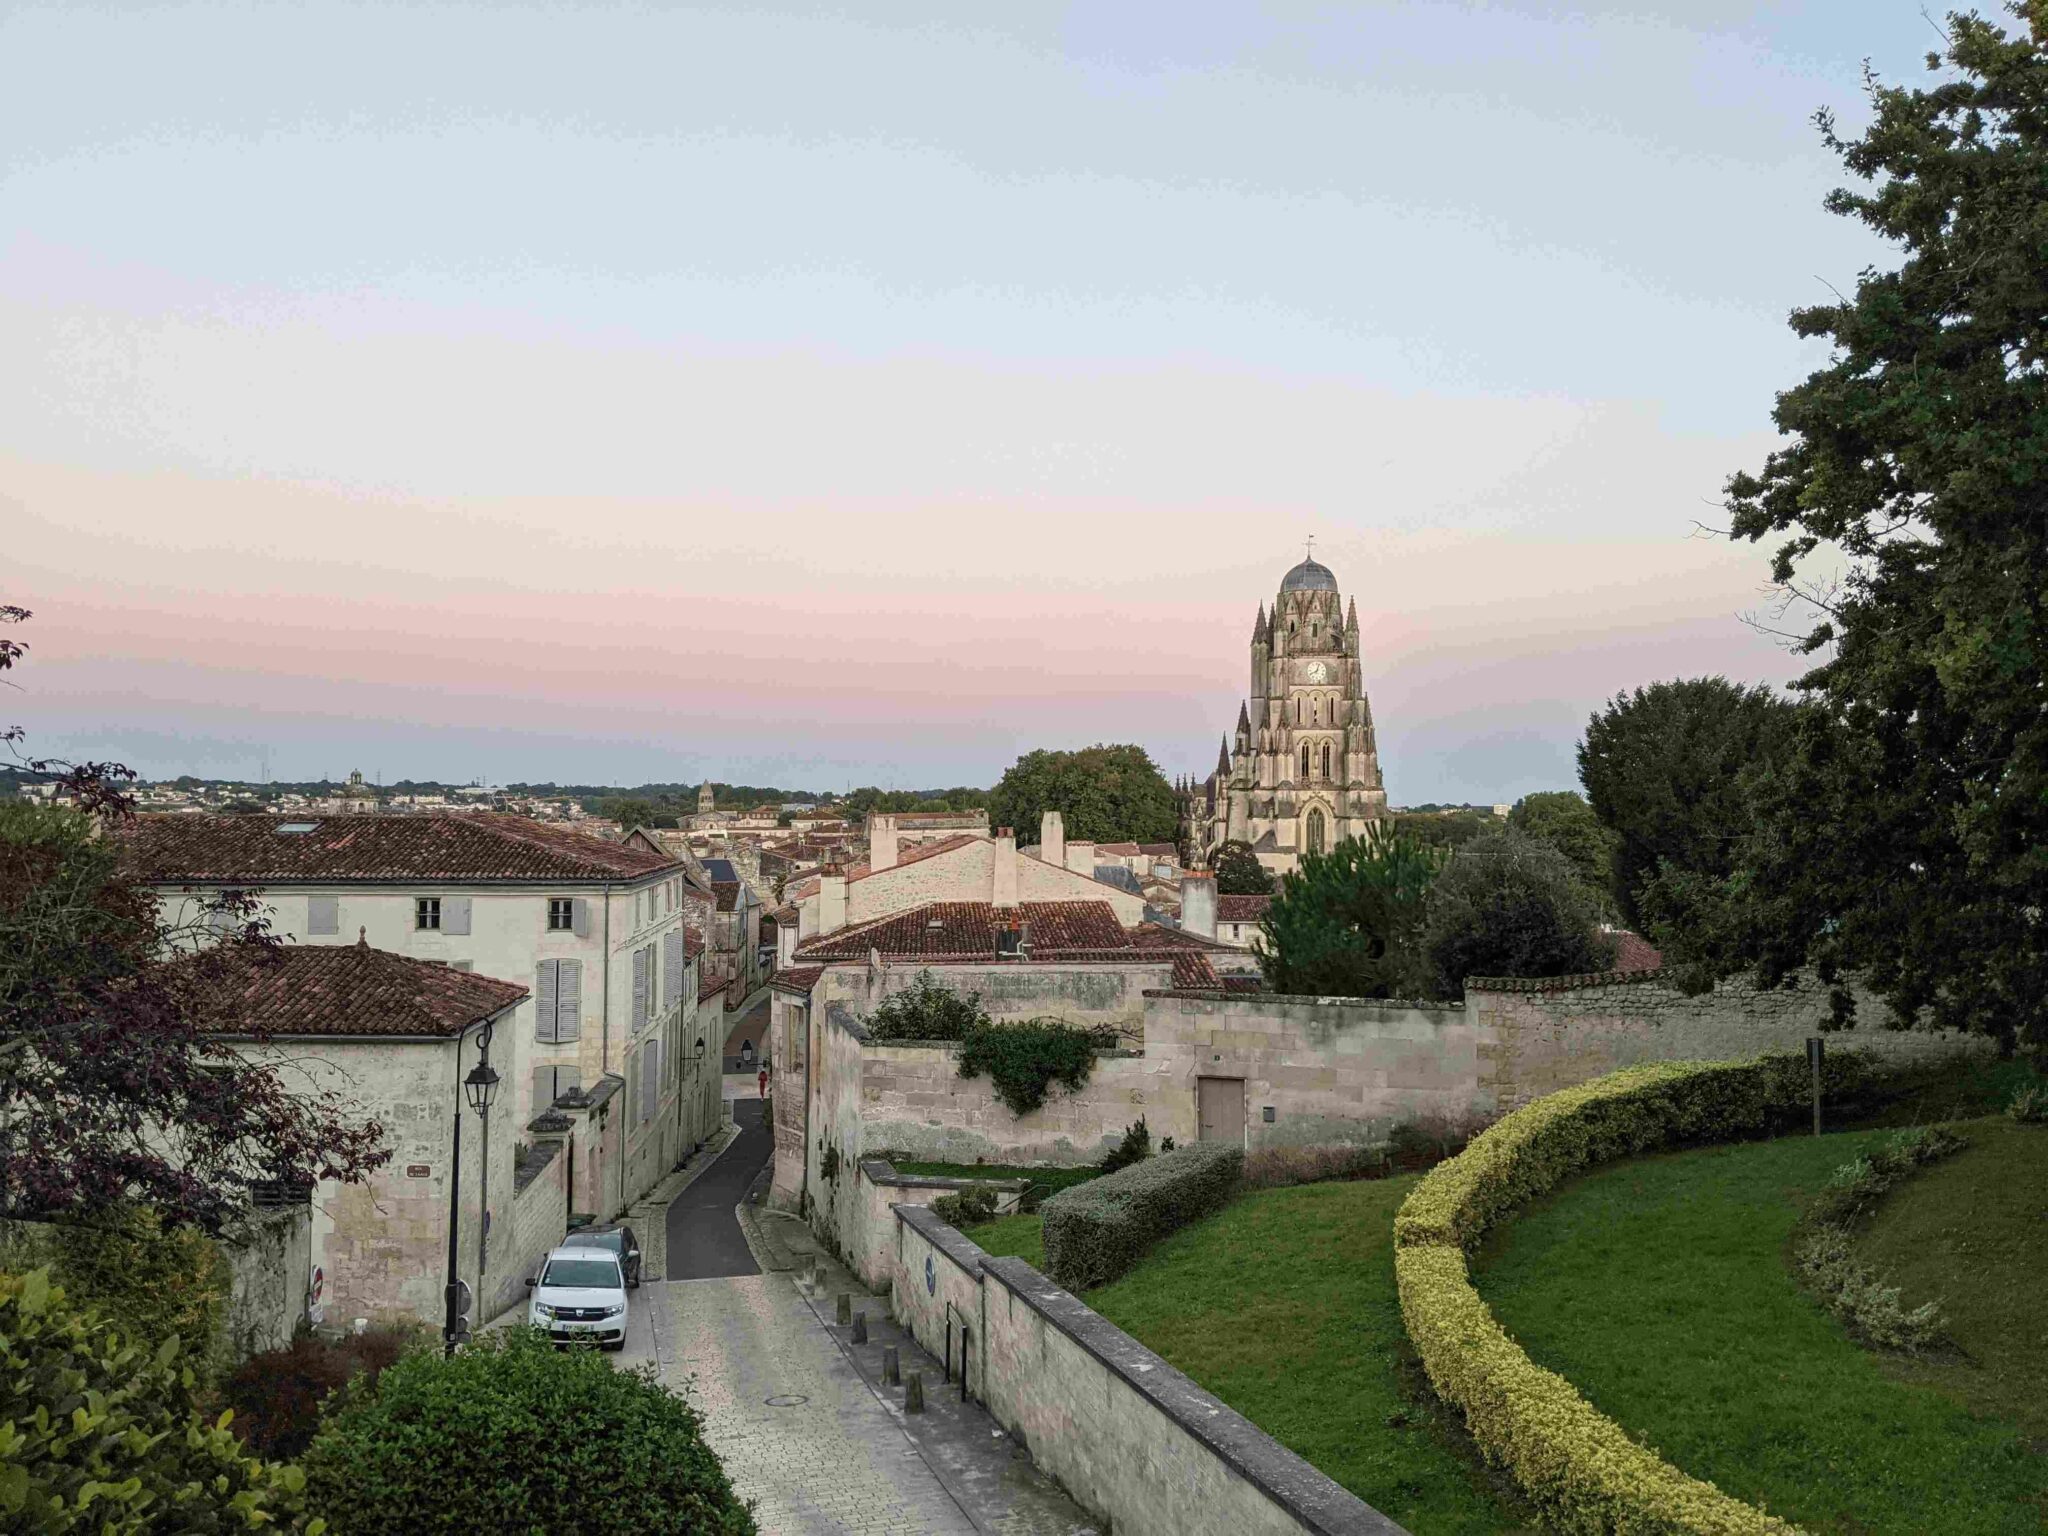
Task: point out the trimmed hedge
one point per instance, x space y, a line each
1578 1466
1097 1231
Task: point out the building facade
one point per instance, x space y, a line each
1302 771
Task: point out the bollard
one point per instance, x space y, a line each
845 1312
818 1278
913 1393
892 1372
860 1327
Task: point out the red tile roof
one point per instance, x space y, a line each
1116 848
1159 936
1192 969
476 847
708 989
693 943
1055 929
797 979
728 894
341 989
1159 850
1241 909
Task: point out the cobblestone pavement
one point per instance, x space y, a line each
830 1458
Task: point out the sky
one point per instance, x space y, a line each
830 395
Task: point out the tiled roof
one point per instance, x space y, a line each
693 943
708 989
1192 969
1241 909
476 846
340 989
1056 929
1116 848
1159 936
1159 850
728 894
797 979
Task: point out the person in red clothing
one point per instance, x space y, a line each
764 1080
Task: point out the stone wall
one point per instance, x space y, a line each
540 1217
1082 993
914 1102
867 1241
1539 1036
272 1264
1316 1070
1134 1441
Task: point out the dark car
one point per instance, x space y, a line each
615 1237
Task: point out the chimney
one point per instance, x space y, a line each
1052 838
881 842
831 899
1198 903
785 945
1003 887
1081 859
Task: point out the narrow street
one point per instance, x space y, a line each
796 1412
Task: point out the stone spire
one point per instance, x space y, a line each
1244 719
1223 759
1351 618
1260 629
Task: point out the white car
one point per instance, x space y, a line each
579 1295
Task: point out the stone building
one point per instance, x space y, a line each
1302 771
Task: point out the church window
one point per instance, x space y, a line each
1304 760
1314 836
1326 759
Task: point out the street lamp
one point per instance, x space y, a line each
480 1087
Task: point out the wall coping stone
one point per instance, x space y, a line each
1225 995
878 1170
530 1163
953 1046
944 1236
1312 1498
1564 983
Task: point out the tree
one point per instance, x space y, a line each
111 1088
1668 769
1450 827
1105 794
512 1434
1510 905
1563 819
1348 923
1239 872
631 811
1908 835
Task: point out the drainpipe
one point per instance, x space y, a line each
604 1012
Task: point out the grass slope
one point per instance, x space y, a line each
1660 1288
1973 1231
1283 1305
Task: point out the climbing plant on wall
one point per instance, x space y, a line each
1023 1058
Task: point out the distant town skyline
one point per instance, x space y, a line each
636 395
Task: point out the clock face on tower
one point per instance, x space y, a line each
1317 672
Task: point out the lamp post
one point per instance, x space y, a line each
480 1087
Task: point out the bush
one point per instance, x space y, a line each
1023 1058
276 1395
1510 905
2029 1106
1579 1467
1348 923
1280 1167
1426 1140
924 1010
1134 1148
100 1435
967 1208
1826 1260
148 1281
515 1435
1096 1231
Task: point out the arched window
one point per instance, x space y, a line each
1304 760
1314 837
1326 759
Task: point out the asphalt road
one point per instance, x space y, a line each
704 1237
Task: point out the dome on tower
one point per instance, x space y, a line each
1309 577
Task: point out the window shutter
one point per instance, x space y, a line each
323 914
543 1089
455 914
672 966
569 1000
582 918
544 1001
650 1084
640 980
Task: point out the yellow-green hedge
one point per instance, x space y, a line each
1577 1465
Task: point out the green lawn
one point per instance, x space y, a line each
1660 1288
1283 1305
1973 1231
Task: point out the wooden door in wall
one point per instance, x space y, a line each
1220 1102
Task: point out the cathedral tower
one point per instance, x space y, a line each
1301 772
